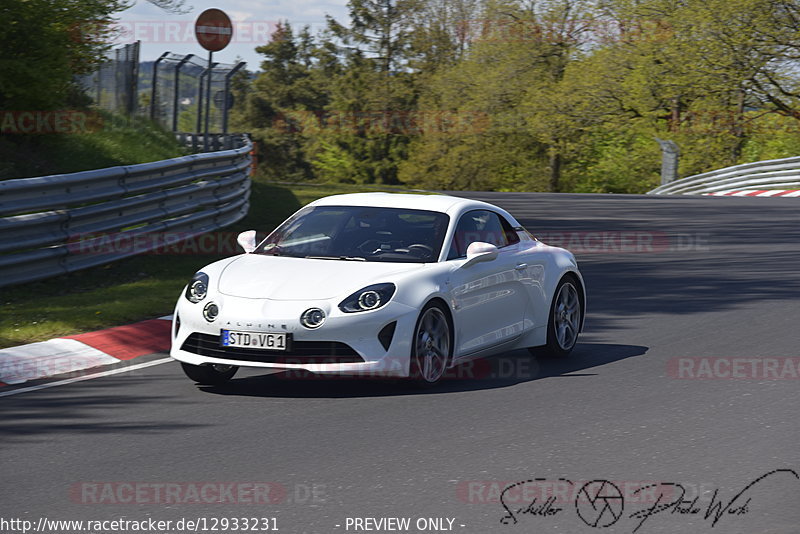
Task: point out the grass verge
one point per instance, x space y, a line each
138 288
114 140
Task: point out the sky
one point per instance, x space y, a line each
253 20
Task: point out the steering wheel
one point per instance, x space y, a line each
423 251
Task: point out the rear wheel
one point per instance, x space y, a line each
209 374
564 322
431 347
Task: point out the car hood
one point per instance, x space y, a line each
281 278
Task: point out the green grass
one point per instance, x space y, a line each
114 141
143 287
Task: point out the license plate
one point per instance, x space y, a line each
253 340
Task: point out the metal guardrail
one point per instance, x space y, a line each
47 223
770 174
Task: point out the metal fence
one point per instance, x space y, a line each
178 85
115 85
770 174
48 223
170 90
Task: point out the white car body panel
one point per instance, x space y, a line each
495 305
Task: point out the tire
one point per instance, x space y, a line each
209 374
564 322
432 346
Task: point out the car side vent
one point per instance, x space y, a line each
386 334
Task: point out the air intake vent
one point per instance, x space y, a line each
386 334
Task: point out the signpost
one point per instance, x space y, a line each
214 30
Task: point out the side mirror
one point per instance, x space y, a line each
478 252
247 240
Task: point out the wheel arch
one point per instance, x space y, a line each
578 279
437 299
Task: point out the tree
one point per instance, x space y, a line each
372 95
558 95
45 44
281 107
513 74
170 6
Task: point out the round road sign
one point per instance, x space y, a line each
219 100
213 29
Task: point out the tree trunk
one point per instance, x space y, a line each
738 129
675 115
555 170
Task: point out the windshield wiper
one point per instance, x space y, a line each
345 258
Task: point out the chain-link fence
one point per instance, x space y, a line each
178 91
114 86
181 92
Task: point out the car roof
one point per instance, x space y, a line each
432 202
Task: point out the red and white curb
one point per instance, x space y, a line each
757 193
83 351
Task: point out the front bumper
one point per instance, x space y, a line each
346 344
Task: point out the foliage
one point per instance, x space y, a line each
558 95
116 140
45 43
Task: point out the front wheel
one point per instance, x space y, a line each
564 322
431 347
210 374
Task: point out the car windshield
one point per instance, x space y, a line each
359 233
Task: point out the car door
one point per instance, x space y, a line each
489 298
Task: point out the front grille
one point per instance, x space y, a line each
299 352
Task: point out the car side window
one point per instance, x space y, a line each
481 225
511 235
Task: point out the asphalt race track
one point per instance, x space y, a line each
693 302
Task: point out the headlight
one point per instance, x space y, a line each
197 288
369 298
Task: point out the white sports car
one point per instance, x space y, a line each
379 284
